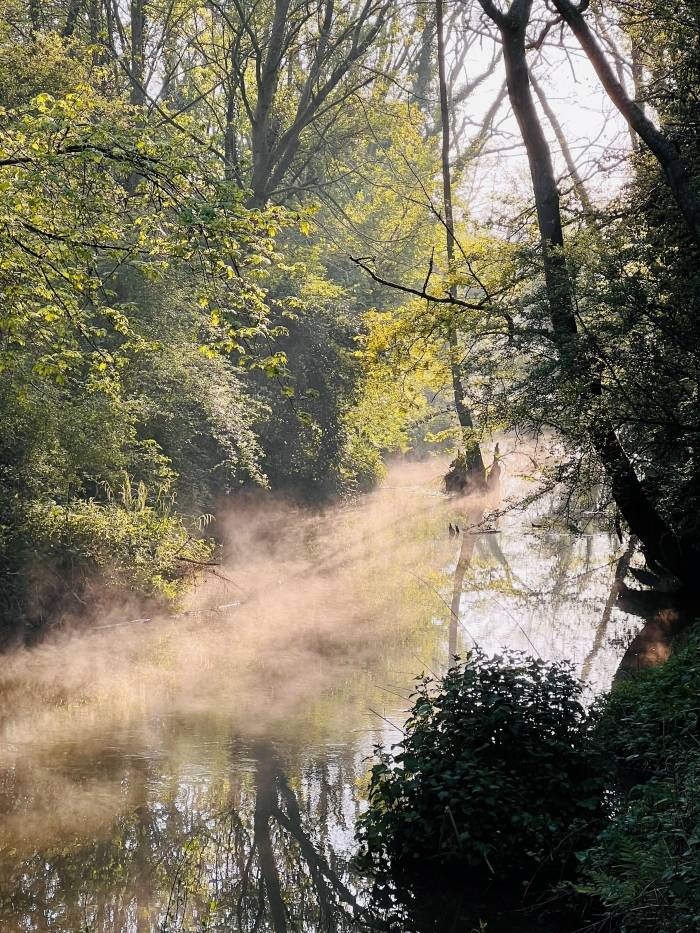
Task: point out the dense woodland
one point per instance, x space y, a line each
239 250
194 171
257 247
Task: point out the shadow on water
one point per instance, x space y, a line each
206 773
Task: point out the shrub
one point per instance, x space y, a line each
645 865
497 772
652 717
66 560
130 547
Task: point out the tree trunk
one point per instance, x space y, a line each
74 10
639 512
231 172
544 184
619 69
137 65
261 130
474 460
424 66
34 16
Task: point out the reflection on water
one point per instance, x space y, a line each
205 772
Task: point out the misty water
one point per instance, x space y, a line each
204 772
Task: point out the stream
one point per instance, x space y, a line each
204 771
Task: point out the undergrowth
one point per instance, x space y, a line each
506 780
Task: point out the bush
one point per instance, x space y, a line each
131 547
497 772
652 718
645 865
66 560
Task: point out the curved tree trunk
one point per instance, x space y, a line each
662 148
639 511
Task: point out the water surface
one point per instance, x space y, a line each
204 772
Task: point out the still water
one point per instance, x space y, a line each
204 772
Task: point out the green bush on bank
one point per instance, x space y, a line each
498 773
645 865
135 549
504 775
67 557
653 717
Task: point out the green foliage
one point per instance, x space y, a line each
156 323
299 425
70 559
128 270
391 396
645 865
497 773
503 772
653 718
133 544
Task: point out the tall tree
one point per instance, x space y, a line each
474 460
660 145
639 511
292 69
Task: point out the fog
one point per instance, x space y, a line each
302 600
309 632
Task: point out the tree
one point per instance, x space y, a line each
640 512
93 199
662 148
474 460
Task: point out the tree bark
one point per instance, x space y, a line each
137 64
231 169
544 182
268 77
424 65
274 148
74 10
603 30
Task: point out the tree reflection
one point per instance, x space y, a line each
160 821
621 569
252 853
263 864
472 518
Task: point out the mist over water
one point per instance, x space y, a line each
204 771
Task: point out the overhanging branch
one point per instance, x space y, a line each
362 262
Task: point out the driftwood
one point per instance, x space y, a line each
199 563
